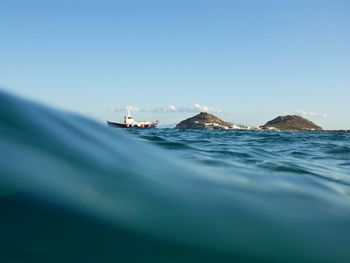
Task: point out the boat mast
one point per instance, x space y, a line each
127 116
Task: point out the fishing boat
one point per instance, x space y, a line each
129 122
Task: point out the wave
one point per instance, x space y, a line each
72 189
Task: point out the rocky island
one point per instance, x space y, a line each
207 121
291 123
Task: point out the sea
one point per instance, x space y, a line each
74 190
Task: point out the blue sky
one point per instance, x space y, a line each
253 60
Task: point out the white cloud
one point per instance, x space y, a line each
113 109
132 108
123 109
170 109
312 114
167 109
199 108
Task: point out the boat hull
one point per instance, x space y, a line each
128 126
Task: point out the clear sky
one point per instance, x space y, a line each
253 60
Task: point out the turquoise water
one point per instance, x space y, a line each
75 190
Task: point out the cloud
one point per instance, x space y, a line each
113 109
169 109
123 109
199 108
312 114
132 108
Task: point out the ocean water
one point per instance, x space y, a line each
75 190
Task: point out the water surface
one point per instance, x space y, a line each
72 189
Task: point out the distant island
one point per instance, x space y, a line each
204 120
291 123
207 121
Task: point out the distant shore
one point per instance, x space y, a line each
287 123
